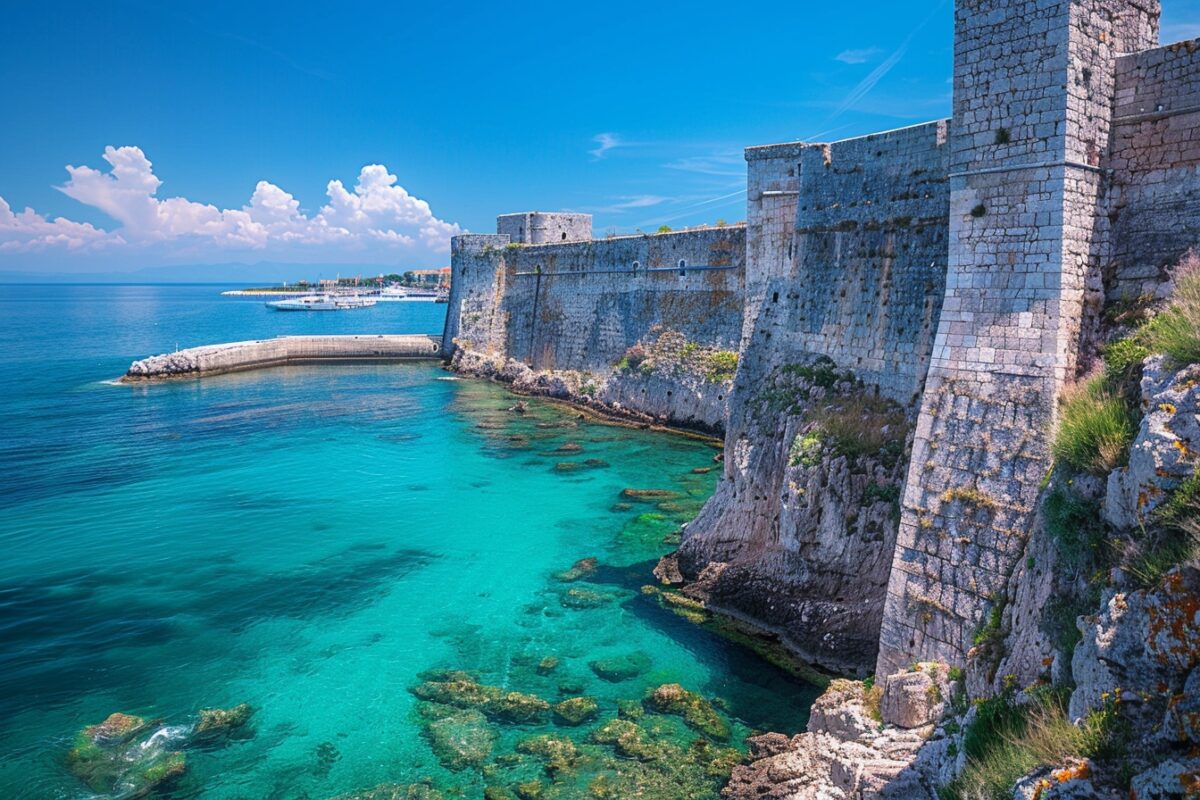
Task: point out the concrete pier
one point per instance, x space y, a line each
217 359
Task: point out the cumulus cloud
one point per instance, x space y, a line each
376 213
29 231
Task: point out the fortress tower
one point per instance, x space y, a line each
1033 107
540 227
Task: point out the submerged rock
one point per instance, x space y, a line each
621 668
547 665
459 738
576 710
557 753
698 713
496 703
628 739
111 757
584 598
218 724
394 791
649 495
580 569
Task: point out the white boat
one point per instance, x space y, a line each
392 294
322 302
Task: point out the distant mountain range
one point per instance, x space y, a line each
262 272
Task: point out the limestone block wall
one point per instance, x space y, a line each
1155 163
473 317
540 227
1032 112
869 258
581 306
772 189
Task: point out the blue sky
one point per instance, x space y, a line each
636 112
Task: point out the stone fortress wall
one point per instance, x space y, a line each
1154 201
960 267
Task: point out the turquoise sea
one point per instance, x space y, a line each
309 541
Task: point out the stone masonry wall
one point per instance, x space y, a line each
1155 162
805 550
540 227
577 307
867 275
1032 103
772 189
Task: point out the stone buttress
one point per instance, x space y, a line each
1033 105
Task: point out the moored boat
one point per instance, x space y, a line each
322 302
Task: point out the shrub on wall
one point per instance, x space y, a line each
721 365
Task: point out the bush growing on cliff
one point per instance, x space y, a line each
634 358
1008 740
721 366
861 424
1176 540
1074 524
1094 428
1176 331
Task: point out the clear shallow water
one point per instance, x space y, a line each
308 540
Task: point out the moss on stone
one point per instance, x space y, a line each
698 713
576 710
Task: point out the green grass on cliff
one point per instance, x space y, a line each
1009 740
1095 428
1097 419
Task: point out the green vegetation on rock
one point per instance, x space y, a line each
698 713
461 690
1008 740
1095 428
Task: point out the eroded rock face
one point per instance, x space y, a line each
798 537
918 698
848 754
668 393
1163 453
1144 642
1170 780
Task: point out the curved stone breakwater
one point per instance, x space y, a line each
217 359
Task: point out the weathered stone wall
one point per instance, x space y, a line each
541 227
772 190
578 307
1155 162
805 549
581 306
1027 239
858 273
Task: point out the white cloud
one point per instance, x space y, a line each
28 231
860 56
377 213
604 143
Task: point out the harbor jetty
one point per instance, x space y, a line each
216 359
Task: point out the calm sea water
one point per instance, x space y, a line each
308 540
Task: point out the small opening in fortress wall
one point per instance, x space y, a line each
564 236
